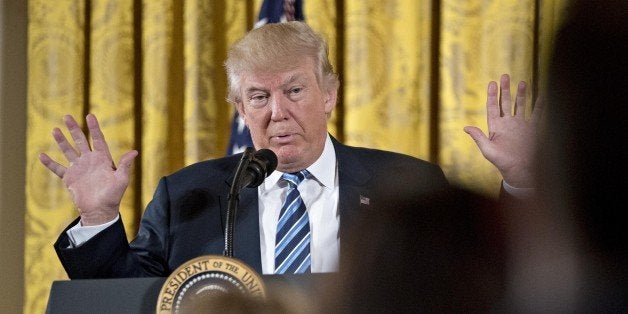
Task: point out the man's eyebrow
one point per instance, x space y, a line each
253 89
298 77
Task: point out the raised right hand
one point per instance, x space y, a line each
96 185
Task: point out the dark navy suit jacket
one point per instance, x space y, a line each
186 217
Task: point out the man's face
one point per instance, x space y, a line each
287 113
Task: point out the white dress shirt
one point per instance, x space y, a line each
320 195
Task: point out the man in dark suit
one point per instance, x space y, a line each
283 85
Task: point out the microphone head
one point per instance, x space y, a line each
263 163
268 157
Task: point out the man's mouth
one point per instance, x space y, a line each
282 138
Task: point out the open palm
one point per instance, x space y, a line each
509 145
93 180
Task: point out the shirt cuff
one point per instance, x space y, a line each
79 234
520 193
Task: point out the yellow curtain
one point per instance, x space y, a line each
480 40
387 68
413 74
56 84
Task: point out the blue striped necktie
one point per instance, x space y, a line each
292 244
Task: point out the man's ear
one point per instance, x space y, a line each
330 100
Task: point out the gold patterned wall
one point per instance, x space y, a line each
152 72
480 40
56 84
387 75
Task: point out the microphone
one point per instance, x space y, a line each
261 164
253 168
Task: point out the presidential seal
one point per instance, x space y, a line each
193 284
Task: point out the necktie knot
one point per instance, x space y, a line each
294 178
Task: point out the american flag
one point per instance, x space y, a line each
272 11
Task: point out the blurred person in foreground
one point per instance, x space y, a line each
440 253
580 178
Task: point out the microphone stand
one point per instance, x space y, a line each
229 279
233 200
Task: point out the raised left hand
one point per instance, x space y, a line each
511 137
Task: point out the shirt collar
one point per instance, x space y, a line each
323 169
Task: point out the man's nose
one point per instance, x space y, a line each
278 109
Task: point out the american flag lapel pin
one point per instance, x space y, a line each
364 200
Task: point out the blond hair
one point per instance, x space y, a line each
278 47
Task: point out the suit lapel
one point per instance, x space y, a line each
354 196
246 241
246 232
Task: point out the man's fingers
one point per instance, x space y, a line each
68 151
52 165
477 135
504 95
537 111
492 106
99 142
77 134
124 165
520 101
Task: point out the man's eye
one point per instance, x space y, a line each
258 100
296 93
